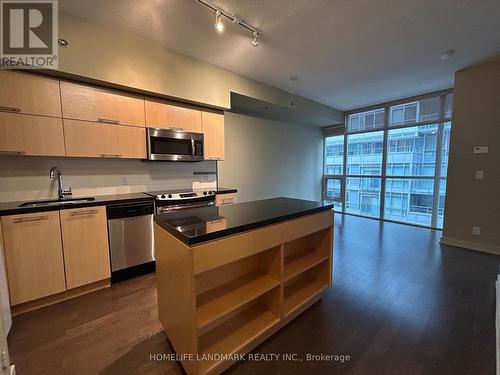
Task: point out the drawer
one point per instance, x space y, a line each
229 198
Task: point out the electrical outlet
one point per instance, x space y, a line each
479 175
476 231
124 180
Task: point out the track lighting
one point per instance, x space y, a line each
254 40
219 13
218 22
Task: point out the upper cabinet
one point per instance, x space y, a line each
213 130
82 102
164 114
86 139
31 135
29 93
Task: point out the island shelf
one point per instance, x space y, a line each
227 295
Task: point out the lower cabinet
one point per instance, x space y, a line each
229 198
50 252
33 256
85 245
89 139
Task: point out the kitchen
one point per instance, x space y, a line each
203 197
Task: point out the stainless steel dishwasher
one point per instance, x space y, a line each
130 230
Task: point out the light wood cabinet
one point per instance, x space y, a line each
229 198
29 93
164 114
82 102
33 255
87 139
85 245
31 135
213 130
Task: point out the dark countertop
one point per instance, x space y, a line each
198 225
12 208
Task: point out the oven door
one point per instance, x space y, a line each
171 145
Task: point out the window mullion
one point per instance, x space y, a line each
384 162
437 171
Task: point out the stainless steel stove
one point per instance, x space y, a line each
175 200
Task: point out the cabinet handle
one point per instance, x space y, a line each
110 155
9 109
81 213
12 152
108 121
30 219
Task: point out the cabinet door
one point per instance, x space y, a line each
89 103
163 114
33 255
213 130
85 244
97 140
31 135
29 93
229 198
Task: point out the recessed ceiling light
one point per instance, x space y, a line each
294 78
447 54
62 42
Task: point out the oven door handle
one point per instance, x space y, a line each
184 206
192 147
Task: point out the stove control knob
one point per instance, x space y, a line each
170 195
204 193
162 197
212 192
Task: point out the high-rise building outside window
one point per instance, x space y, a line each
392 161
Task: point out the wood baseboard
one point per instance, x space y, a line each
477 246
56 298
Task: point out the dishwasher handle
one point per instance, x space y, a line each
124 210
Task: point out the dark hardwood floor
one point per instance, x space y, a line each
401 304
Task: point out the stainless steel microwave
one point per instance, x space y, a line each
173 145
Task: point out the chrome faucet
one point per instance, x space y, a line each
62 193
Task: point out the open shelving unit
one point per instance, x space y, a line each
227 288
304 288
239 331
307 268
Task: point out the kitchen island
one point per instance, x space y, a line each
229 277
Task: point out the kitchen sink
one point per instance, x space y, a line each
56 202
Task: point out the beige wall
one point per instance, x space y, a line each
267 158
27 178
122 59
476 122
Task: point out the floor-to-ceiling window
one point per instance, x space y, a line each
390 161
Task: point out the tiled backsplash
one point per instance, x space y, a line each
27 178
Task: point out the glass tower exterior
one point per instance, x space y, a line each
391 162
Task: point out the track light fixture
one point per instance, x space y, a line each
218 22
219 13
254 40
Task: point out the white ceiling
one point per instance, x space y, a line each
347 53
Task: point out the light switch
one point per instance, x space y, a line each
479 175
476 231
480 149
